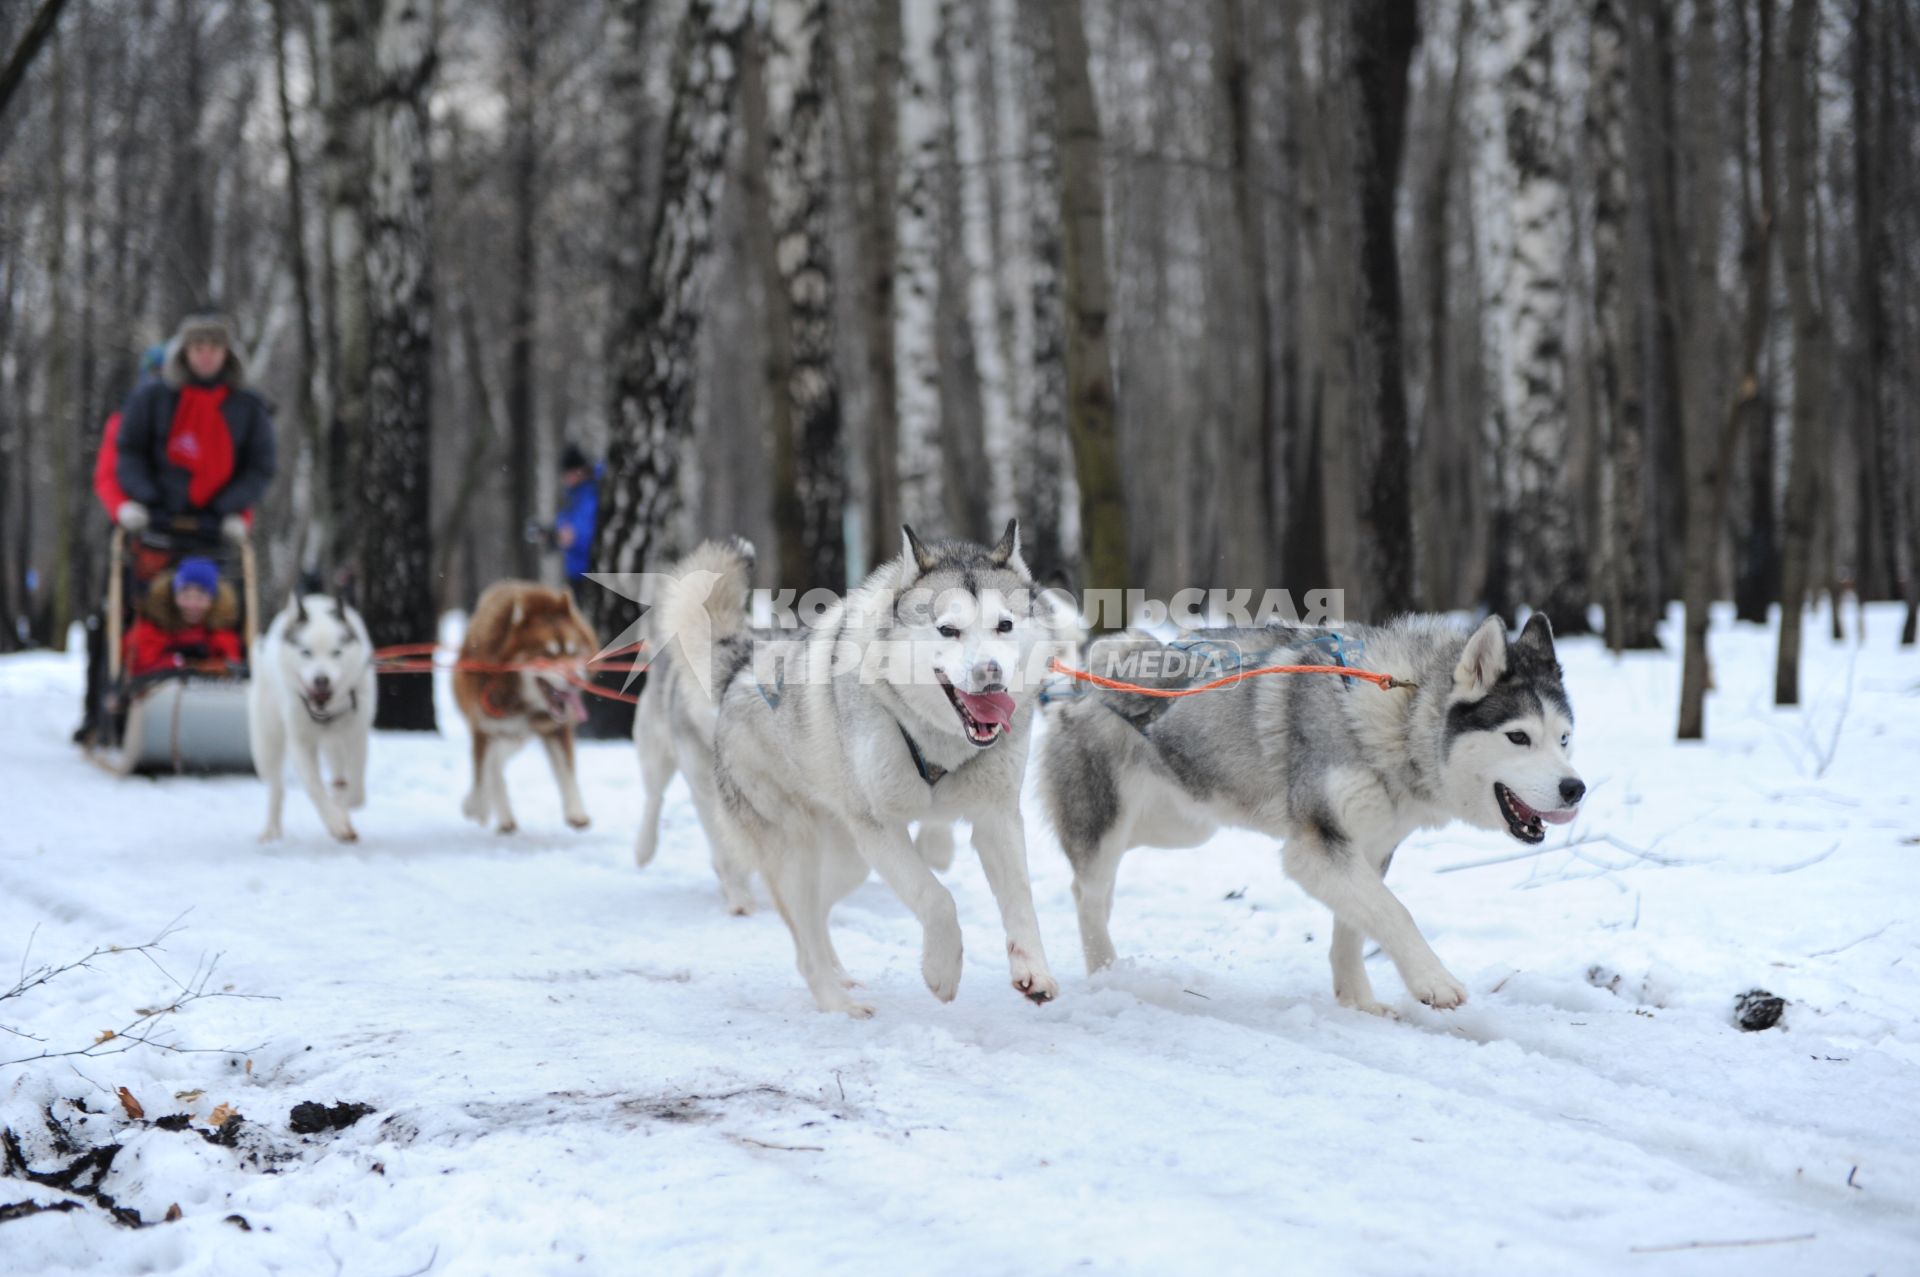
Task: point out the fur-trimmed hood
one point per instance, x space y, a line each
160 608
173 369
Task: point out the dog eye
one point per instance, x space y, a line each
949 631
1006 625
1564 739
1519 738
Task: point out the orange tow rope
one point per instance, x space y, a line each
1385 682
419 658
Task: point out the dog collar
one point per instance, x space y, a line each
322 717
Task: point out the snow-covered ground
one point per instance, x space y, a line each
578 1067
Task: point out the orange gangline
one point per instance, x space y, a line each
1384 682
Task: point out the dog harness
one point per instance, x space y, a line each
932 773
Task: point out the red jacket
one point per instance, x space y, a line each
151 649
162 640
106 478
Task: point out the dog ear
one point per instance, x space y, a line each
1483 660
1007 548
339 607
299 608
1538 635
915 551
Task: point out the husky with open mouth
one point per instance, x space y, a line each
910 700
1477 729
522 665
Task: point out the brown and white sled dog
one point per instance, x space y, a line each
910 700
673 726
312 695
526 647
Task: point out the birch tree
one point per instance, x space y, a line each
1089 368
657 326
797 87
398 589
1548 566
1631 609
1808 440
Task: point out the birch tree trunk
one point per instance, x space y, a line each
1039 469
797 86
1548 567
523 466
965 484
916 297
1383 39
349 43
1808 441
299 456
398 591
878 236
1247 508
1090 393
656 332
1631 609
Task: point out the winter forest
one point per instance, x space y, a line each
1587 307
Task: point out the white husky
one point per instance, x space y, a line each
313 688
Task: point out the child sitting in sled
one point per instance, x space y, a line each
187 619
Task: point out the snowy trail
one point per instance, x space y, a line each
577 1066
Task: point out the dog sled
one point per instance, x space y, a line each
188 719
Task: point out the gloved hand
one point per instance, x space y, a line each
234 528
132 516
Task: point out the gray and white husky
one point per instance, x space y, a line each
910 700
704 607
312 692
1341 771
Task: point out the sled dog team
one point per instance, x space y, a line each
813 766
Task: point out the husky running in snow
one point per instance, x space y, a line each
1339 770
312 688
674 722
909 701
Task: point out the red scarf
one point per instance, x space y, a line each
200 443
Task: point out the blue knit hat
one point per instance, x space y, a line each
197 572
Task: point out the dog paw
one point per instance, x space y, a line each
578 820
1439 990
270 834
474 808
508 827
346 833
1366 1004
940 965
1031 979
834 1001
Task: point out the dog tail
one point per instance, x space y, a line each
707 600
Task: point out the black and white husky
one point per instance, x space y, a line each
1339 770
909 701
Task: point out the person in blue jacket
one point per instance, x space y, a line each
573 526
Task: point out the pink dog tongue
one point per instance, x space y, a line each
576 706
1561 817
988 707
